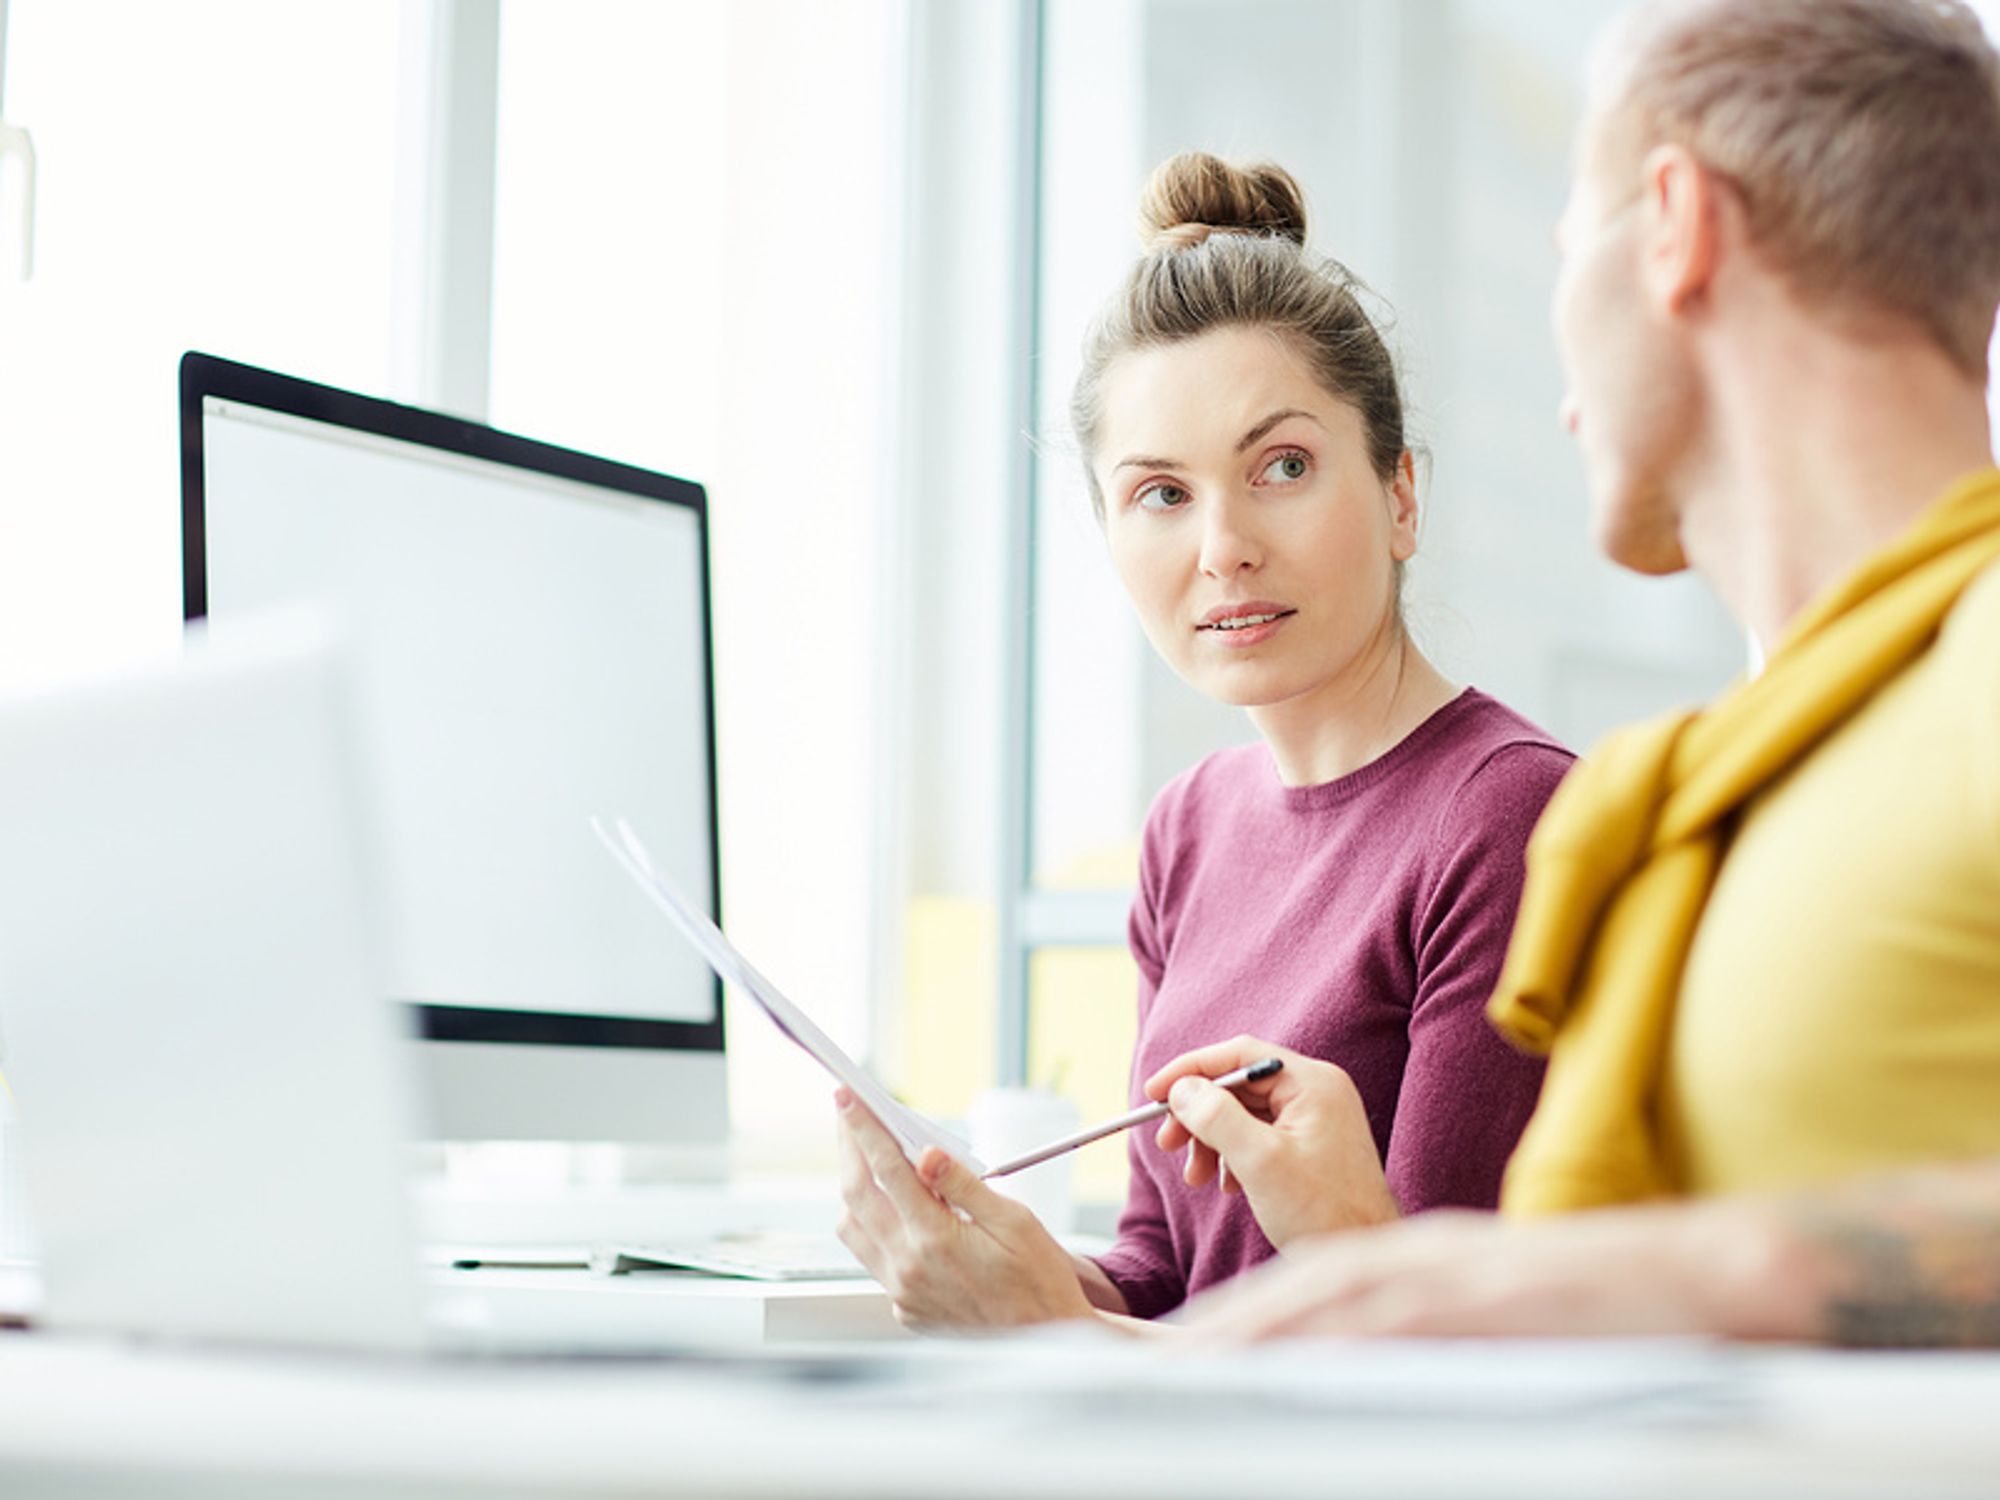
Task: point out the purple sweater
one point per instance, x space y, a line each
1362 921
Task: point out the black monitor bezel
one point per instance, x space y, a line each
205 376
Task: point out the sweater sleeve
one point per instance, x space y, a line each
1466 1093
1141 1262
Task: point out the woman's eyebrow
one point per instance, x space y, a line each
1264 427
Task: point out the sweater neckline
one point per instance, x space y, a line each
1383 767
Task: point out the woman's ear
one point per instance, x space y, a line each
1401 493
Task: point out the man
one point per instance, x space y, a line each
1761 943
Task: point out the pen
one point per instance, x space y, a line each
1139 1116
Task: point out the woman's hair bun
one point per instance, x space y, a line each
1194 195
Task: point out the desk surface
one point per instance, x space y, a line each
1007 1419
650 1310
641 1312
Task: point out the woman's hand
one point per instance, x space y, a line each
1296 1144
950 1251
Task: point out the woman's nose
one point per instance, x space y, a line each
1228 543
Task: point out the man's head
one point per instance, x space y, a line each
1852 147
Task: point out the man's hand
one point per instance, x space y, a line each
1296 1144
1717 1269
950 1251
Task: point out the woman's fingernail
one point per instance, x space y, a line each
843 1097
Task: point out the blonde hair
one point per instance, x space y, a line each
1225 247
1862 135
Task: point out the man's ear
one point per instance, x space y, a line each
1682 203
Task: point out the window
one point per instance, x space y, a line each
217 174
696 241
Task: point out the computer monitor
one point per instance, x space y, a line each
531 627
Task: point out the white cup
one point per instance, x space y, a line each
17 1240
1006 1123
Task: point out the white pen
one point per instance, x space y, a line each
1139 1116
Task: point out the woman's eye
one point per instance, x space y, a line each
1287 466
1161 497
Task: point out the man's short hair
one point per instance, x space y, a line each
1862 135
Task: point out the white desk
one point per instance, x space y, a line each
636 1313
78 1418
649 1310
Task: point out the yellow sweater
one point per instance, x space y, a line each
1840 1010
1761 942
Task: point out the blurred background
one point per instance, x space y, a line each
833 259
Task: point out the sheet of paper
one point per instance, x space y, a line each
912 1130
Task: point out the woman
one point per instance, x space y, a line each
1346 886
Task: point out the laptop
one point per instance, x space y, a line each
211 1105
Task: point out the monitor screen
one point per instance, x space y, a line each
531 626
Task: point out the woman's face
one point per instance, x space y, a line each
1245 520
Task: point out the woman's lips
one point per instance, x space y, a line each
1241 625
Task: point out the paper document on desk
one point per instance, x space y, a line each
911 1129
